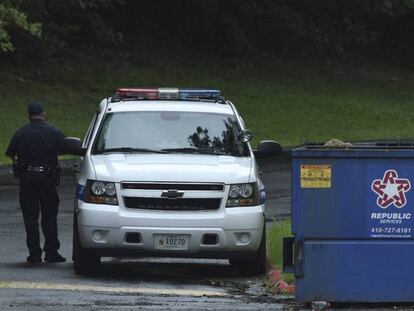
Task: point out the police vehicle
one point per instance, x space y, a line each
169 172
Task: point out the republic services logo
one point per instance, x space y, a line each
391 189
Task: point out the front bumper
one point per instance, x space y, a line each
104 229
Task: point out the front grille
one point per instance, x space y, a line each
172 204
156 186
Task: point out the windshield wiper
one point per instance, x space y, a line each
132 150
194 150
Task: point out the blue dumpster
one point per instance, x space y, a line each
353 224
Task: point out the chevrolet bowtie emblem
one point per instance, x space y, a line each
172 194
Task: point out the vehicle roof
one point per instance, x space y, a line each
170 105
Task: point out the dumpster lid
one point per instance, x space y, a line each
383 148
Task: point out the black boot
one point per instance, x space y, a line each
34 259
54 257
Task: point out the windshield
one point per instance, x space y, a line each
170 132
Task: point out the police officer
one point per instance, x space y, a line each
36 147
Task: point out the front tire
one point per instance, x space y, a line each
256 266
84 262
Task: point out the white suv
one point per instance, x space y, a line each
169 172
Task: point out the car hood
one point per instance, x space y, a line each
172 168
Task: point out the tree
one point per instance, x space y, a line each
12 18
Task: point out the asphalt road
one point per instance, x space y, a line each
276 175
147 284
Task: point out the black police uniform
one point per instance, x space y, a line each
37 146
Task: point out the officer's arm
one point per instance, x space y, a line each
12 148
60 136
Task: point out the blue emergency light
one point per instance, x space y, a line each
169 93
199 94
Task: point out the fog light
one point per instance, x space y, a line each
245 238
97 235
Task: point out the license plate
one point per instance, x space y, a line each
171 241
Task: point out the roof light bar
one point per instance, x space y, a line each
168 93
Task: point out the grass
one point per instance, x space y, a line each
275 236
287 102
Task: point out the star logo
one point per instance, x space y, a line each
391 189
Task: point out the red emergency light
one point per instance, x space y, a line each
141 93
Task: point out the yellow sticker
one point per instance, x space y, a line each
315 176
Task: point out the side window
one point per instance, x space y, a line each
90 131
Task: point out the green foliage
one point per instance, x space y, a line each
11 17
232 28
74 24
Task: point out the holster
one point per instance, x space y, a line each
16 170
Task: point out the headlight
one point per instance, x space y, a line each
110 189
234 191
246 190
243 195
101 192
98 188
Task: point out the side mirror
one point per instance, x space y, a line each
246 136
73 145
268 149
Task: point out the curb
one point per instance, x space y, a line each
276 283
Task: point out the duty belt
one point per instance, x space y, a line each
37 169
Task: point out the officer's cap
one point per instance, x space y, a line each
35 108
